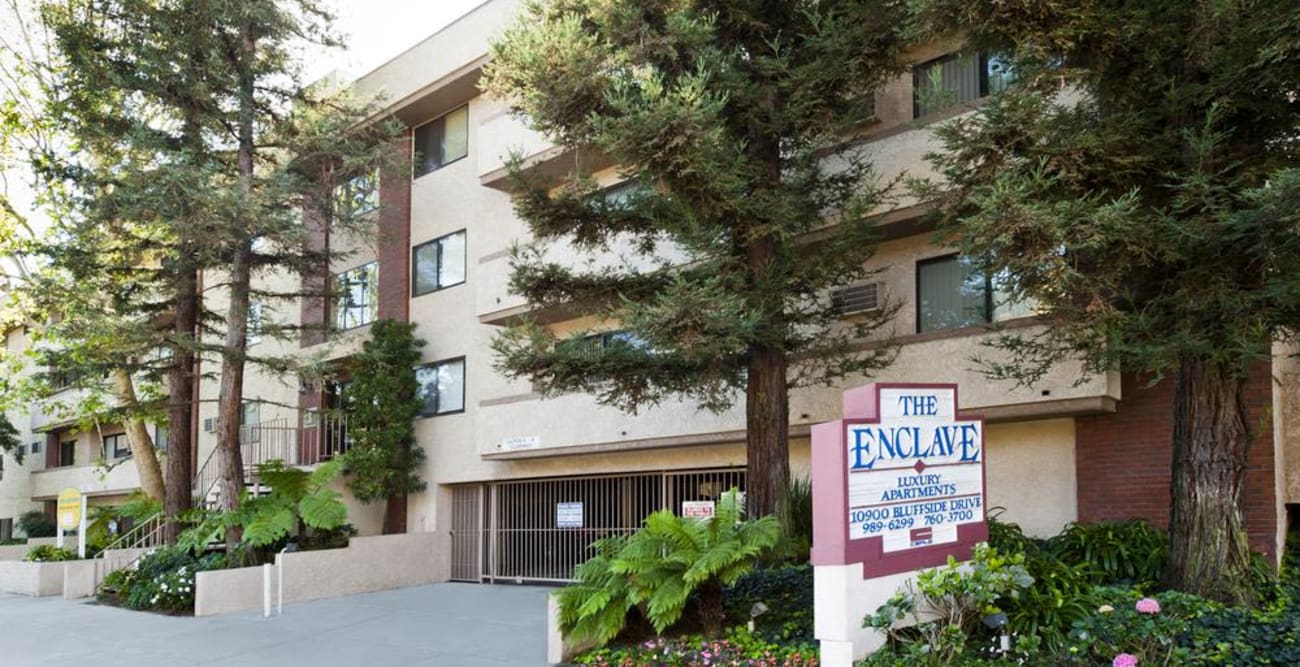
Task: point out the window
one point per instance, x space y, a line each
957 78
953 292
36 446
250 416
67 453
357 196
437 264
442 387
116 447
358 297
2 466
253 327
160 437
441 141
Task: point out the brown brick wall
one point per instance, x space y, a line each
395 232
1123 459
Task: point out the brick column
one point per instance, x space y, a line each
394 233
1123 459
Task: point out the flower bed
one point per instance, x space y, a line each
737 648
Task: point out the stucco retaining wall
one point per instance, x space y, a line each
35 579
19 551
368 564
79 578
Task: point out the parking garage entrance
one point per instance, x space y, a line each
538 530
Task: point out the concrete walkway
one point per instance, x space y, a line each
450 625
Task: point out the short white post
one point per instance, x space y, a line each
279 580
81 529
266 590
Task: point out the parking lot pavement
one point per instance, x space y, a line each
450 625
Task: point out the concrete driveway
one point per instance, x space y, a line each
451 625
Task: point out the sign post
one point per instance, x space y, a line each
71 514
898 486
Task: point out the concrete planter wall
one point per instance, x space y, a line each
19 551
367 565
35 579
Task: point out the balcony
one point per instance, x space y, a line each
121 479
277 439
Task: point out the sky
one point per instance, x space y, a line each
377 30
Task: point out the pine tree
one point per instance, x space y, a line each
1140 183
724 117
383 400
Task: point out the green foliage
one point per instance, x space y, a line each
737 648
9 441
117 586
1148 213
796 516
163 580
48 553
36 524
948 605
297 497
721 121
658 568
1116 552
383 401
786 591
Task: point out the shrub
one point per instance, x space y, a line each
948 606
164 579
1123 552
36 524
1127 622
787 592
48 553
737 648
116 586
795 515
658 568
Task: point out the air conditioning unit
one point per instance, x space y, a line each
860 298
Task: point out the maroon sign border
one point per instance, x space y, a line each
829 452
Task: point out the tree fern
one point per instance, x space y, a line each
660 567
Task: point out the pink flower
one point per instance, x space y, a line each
1148 606
1125 659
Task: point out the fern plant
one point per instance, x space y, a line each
297 497
659 567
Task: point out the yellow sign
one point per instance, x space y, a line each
69 508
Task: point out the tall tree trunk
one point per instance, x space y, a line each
180 393
767 431
230 402
1209 551
395 515
137 435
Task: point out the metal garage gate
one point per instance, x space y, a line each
539 530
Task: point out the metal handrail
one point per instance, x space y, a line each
145 528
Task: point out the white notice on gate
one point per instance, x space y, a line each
568 515
698 509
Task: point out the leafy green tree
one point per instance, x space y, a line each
382 402
1140 184
9 442
199 150
659 567
723 115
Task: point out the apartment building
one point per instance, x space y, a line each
522 483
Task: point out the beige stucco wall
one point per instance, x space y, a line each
1030 471
368 564
35 579
1286 419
